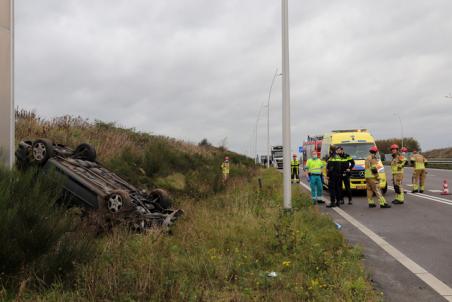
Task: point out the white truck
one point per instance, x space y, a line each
277 157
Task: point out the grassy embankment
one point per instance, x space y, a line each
222 249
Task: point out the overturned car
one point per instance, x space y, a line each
92 187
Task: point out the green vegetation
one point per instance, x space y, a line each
439 153
41 243
231 236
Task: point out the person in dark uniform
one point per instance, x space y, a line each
334 177
347 165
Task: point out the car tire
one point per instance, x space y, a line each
85 152
42 150
116 201
160 197
22 160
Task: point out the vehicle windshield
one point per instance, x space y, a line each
357 151
277 154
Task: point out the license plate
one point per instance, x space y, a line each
361 187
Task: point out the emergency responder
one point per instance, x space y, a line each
418 161
397 165
314 167
373 180
225 168
295 169
334 177
347 165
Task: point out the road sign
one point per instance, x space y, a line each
6 83
300 149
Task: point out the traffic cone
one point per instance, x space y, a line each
445 188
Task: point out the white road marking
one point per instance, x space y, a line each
435 191
437 285
429 197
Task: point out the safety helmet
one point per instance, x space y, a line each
404 149
394 146
373 149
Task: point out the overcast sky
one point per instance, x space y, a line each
196 69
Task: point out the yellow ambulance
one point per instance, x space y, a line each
356 143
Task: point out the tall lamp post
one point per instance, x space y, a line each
268 116
401 126
286 106
7 115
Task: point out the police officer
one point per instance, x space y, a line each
373 180
418 161
295 169
334 177
397 166
347 165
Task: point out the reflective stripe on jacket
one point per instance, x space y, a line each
314 166
371 167
419 161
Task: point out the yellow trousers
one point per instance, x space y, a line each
373 187
397 179
419 179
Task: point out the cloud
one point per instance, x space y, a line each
197 68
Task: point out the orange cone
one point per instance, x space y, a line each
445 188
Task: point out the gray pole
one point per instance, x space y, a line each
286 106
7 115
268 118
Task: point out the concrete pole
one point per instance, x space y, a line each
286 106
268 118
7 114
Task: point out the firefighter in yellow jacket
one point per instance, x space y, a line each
397 166
418 161
373 180
225 168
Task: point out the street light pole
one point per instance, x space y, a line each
286 106
401 126
7 114
268 117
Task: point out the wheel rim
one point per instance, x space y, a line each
39 151
115 203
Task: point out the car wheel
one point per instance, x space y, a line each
22 160
85 152
42 150
160 197
116 201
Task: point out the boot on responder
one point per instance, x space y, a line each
373 180
397 166
334 177
225 168
295 169
419 162
314 167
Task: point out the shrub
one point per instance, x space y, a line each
38 242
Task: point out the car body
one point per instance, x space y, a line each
356 143
91 186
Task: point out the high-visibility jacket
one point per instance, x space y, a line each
314 166
370 166
419 161
335 165
397 164
225 167
295 164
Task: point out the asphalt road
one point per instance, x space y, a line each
421 229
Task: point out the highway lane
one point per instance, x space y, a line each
421 229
